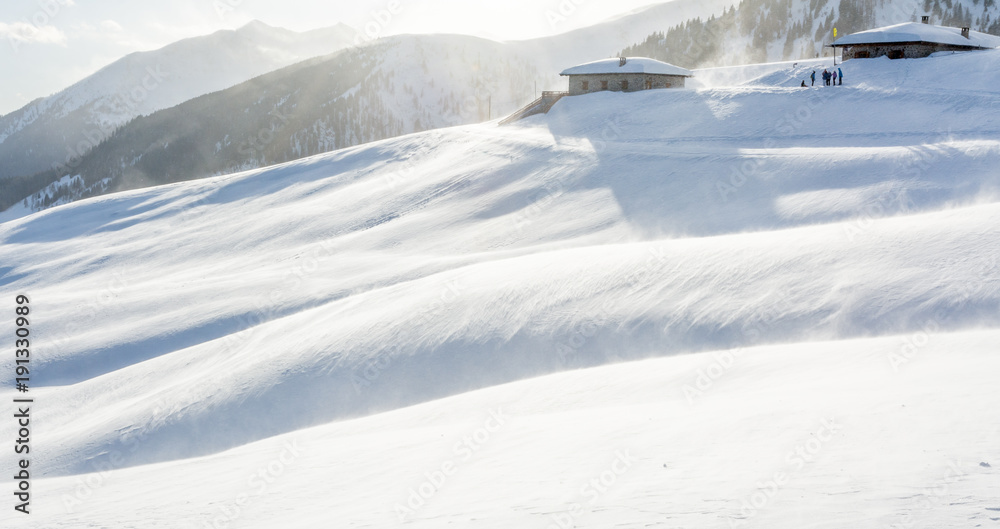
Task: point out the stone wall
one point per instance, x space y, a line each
585 84
915 50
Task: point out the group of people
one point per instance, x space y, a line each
828 77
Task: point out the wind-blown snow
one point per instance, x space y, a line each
839 243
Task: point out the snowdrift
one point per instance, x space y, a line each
347 291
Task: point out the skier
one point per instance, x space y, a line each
834 75
804 84
841 75
814 77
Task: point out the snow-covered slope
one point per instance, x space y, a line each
819 435
62 127
855 226
390 87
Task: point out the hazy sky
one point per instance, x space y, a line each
46 45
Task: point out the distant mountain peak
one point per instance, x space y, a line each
257 26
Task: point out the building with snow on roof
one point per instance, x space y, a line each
624 74
913 41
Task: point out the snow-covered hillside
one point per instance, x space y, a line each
62 127
787 298
558 52
390 87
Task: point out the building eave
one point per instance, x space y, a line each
907 43
624 73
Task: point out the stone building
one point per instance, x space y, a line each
624 74
912 41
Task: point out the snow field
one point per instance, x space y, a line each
787 297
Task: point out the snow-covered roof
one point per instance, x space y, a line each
915 32
632 65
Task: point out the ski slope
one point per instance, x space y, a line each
685 295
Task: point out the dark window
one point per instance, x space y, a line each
896 54
862 55
604 85
624 85
649 84
586 85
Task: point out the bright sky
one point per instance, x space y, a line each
46 45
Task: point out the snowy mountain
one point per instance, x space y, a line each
556 53
391 87
750 305
758 31
59 129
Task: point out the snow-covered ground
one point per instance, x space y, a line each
748 305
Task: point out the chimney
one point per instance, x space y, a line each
622 61
965 32
926 19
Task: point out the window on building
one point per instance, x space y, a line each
862 55
604 85
896 54
649 84
586 85
624 85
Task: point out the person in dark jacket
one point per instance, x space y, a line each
826 77
804 84
814 77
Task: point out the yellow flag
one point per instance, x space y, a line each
834 32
